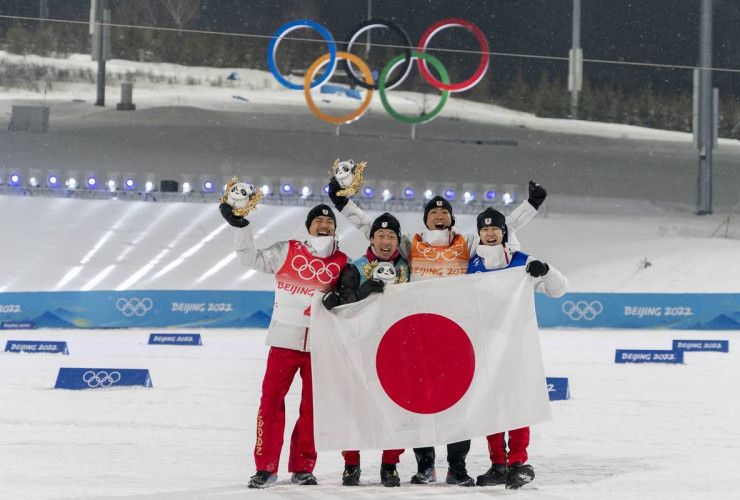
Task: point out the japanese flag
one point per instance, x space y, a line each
428 363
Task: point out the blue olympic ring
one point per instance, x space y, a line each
294 25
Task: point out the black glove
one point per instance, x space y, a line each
339 201
368 287
536 268
232 219
331 300
349 278
537 194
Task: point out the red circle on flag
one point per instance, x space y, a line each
425 363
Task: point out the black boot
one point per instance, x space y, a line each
303 478
457 474
351 476
519 475
425 463
389 475
262 479
497 474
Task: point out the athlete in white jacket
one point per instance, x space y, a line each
302 266
509 466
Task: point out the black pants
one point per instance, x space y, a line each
456 454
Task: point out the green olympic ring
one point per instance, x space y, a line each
391 66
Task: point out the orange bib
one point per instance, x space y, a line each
427 262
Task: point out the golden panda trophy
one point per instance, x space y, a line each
348 175
241 196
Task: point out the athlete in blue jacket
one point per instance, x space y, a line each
493 255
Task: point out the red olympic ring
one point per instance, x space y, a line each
482 66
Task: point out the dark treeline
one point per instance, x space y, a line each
656 31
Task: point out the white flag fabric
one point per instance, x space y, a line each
428 363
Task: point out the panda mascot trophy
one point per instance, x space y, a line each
348 175
385 272
241 196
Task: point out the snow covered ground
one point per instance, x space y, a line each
629 431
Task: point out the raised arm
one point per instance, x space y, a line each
269 260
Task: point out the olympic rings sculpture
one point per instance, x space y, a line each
386 80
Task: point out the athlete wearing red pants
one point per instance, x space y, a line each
493 254
311 262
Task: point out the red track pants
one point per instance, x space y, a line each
282 365
389 457
518 442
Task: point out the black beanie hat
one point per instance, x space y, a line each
386 221
319 211
438 202
491 217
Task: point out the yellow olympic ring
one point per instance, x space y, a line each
342 119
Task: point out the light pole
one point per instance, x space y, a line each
575 66
705 139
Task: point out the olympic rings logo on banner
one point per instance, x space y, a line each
129 307
100 379
385 81
582 309
315 269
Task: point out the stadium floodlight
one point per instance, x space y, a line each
428 194
91 182
129 183
470 192
15 179
509 195
72 183
307 188
207 186
408 192
286 189
33 182
111 185
52 181
368 191
325 190
265 189
186 187
150 182
491 195
450 194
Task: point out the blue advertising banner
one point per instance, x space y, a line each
253 309
139 309
647 356
558 389
175 339
100 378
36 346
681 311
702 345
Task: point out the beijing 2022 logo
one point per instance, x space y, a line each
385 81
134 306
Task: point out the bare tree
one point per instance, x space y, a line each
182 11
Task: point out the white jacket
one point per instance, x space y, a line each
291 314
